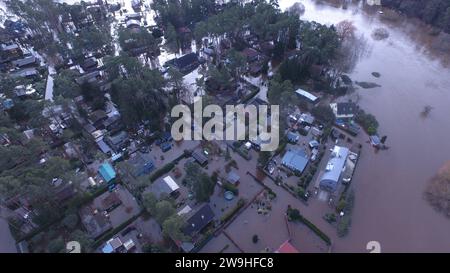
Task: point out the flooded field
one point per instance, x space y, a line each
389 206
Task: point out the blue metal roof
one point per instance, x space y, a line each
107 172
333 170
295 160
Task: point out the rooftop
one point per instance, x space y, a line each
307 95
107 172
295 160
334 168
199 220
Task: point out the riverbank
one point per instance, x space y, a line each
389 185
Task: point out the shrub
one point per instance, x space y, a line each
56 245
343 226
233 211
230 187
163 170
70 221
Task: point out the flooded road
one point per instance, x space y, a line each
389 206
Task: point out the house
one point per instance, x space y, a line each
286 247
292 137
344 110
307 96
132 23
112 123
233 178
200 158
91 77
107 172
334 169
375 141
94 222
250 54
103 146
64 192
295 160
97 117
306 119
198 221
112 245
117 141
255 68
164 187
88 129
89 64
10 51
267 47
140 164
208 51
26 62
136 4
110 202
187 62
133 16
24 91
28 73
313 144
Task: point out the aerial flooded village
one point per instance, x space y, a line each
88 155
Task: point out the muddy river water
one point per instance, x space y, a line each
389 205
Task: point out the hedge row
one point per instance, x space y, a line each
316 230
161 171
232 212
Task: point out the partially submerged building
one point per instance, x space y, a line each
198 221
335 167
344 110
164 187
295 160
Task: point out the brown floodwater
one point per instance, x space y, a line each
389 205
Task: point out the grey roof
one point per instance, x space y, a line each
95 224
199 220
103 146
25 61
333 170
163 187
200 157
295 160
139 162
307 118
9 47
118 138
292 137
25 73
233 177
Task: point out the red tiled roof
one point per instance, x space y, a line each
286 247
